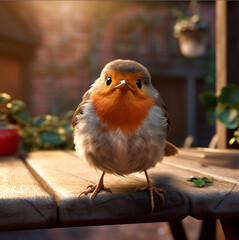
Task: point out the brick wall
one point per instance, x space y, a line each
78 38
60 72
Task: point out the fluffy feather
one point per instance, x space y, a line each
122 131
115 152
121 125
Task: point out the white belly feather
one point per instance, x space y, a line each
115 152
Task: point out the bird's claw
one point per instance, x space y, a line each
89 189
94 189
151 190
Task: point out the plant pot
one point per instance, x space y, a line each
193 43
9 140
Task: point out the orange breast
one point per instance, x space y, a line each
122 109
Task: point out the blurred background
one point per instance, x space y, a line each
52 51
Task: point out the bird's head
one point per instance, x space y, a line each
123 95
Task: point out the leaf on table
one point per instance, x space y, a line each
207 180
192 179
200 181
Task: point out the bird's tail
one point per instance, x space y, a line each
170 149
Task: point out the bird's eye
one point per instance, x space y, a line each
108 81
139 83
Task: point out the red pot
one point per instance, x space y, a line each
9 140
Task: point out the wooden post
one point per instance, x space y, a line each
221 62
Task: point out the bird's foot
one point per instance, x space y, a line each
151 190
94 189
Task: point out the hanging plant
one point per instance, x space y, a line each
191 32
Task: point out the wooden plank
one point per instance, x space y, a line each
216 200
65 176
204 168
177 230
228 229
211 152
218 157
221 62
23 202
208 230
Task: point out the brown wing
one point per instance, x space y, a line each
85 98
170 149
159 102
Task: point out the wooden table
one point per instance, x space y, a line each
41 190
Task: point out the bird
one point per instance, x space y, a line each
121 125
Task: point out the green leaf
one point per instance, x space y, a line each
228 116
229 94
22 117
52 121
192 179
53 138
45 120
207 180
199 182
236 133
16 105
208 99
232 140
4 97
37 121
68 127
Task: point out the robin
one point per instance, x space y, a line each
121 125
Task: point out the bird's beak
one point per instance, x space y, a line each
123 83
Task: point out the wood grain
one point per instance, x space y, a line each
65 176
23 202
215 157
216 200
221 63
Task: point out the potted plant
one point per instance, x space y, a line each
13 115
48 132
191 32
43 132
224 105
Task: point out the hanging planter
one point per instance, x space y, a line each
193 43
191 32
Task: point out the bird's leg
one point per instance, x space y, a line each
94 189
151 190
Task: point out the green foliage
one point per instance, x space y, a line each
208 99
40 133
14 111
187 23
229 95
225 105
49 132
235 138
200 181
4 97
